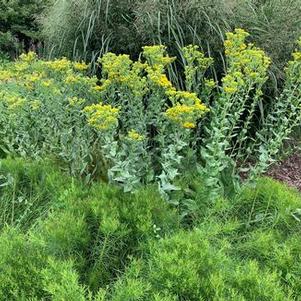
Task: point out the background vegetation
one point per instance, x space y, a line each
19 29
85 29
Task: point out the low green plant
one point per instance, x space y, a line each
99 243
268 205
61 281
189 265
21 263
27 191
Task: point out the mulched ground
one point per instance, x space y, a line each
288 171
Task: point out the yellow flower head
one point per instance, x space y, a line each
28 57
160 80
75 101
80 66
102 117
5 75
186 115
35 104
72 79
189 125
156 56
59 64
14 101
122 71
246 63
134 135
183 97
47 83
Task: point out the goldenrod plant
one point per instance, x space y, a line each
41 112
284 116
132 126
233 109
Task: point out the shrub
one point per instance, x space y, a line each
41 113
101 228
21 263
99 243
61 282
18 27
122 226
28 273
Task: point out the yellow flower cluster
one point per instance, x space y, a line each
186 115
196 63
297 56
160 80
156 58
102 117
232 82
157 61
33 77
186 97
59 64
13 101
35 104
28 57
72 78
247 64
196 58
47 83
5 75
75 101
134 135
80 66
121 70
293 69
210 83
21 66
235 42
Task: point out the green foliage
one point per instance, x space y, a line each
41 114
28 273
61 281
88 29
99 243
18 27
27 191
21 263
230 145
269 205
100 229
197 266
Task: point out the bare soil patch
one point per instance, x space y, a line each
288 171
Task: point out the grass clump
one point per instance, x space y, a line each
27 191
270 205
